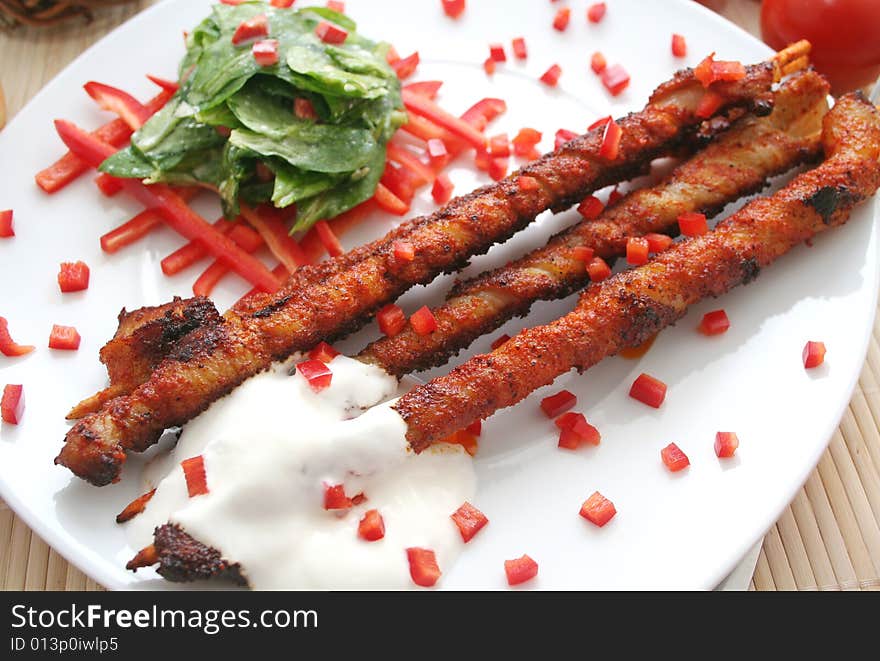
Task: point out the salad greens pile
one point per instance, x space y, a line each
324 166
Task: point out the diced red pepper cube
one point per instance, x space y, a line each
265 52
714 323
391 320
12 403
469 520
597 509
316 373
194 474
252 28
709 104
555 405
598 269
560 21
65 338
519 48
679 46
475 428
610 147
615 79
423 321
692 224
648 390
726 443
709 71
525 141
423 568
563 136
637 250
323 352
499 145
335 498
496 53
453 8
331 33
304 109
73 276
404 251
407 66
437 152
814 354
489 66
596 12
498 168
7 228
601 122
568 439
520 570
551 76
442 189
674 458
591 208
598 63
582 254
282 4
526 183
372 526
465 439
658 242
389 201
499 341
336 5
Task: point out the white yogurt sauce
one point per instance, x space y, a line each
271 445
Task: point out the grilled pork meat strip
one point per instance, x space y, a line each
212 360
632 306
736 164
619 312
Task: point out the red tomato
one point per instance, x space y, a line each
845 35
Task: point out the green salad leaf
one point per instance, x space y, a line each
231 116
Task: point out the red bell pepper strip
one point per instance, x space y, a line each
139 226
73 276
7 227
191 252
175 211
329 239
167 85
389 201
244 237
427 130
194 474
69 167
430 110
424 173
8 346
428 88
714 323
12 403
274 232
108 184
129 109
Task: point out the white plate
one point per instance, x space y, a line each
672 531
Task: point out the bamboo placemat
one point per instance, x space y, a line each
827 539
